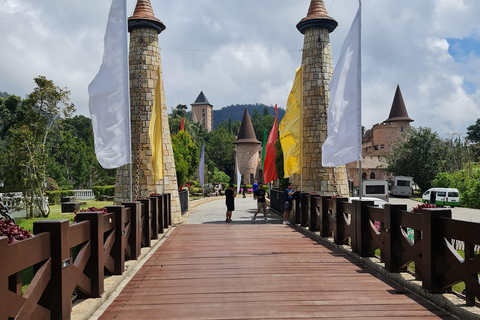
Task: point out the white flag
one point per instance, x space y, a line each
109 96
239 178
344 137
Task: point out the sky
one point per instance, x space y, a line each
246 52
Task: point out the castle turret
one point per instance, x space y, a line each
317 73
247 149
203 111
144 59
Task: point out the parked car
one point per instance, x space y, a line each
442 197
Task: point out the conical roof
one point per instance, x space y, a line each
143 17
201 99
317 17
398 112
246 134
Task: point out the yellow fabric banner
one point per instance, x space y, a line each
291 128
155 130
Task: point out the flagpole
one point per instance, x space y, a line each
301 138
130 185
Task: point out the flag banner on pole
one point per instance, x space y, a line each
290 128
265 137
201 168
155 130
270 169
239 177
109 99
344 122
181 125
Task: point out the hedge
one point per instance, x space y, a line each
54 197
101 191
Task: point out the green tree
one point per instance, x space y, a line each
261 122
473 132
219 150
27 138
279 166
186 156
419 156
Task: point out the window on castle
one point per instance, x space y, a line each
251 178
372 176
364 176
375 147
382 146
401 129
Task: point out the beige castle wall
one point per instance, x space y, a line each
248 160
317 72
198 110
144 58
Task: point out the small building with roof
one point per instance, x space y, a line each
248 152
378 142
202 112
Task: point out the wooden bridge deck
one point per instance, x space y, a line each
259 271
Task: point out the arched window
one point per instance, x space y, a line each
364 176
372 176
251 178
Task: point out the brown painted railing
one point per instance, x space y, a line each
437 263
67 256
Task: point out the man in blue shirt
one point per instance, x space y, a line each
255 188
287 202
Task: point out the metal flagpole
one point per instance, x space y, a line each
301 138
130 185
360 183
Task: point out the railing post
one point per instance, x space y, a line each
392 234
313 225
304 209
154 221
168 213
298 207
324 219
146 226
118 249
361 225
57 297
338 227
135 240
161 213
431 243
95 266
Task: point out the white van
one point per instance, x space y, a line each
375 189
442 197
402 186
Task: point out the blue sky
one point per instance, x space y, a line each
247 51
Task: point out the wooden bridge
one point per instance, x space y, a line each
240 270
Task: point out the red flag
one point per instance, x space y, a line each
181 126
269 169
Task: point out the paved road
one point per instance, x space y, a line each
214 212
465 214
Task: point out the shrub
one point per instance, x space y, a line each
12 231
100 191
54 197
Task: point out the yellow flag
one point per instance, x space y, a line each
155 130
291 128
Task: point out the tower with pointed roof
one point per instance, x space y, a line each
317 72
247 149
144 59
202 111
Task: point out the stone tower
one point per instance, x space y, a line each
317 73
247 149
144 59
202 110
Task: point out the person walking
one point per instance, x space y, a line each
287 202
230 202
244 189
255 188
261 203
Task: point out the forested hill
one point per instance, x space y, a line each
235 112
3 94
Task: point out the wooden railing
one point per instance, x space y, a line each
367 228
67 256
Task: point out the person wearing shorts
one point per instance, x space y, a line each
261 203
287 202
230 202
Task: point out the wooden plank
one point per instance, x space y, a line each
259 272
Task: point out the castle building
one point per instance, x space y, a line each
202 111
144 59
378 142
247 152
317 73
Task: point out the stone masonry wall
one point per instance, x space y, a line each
248 158
144 59
317 72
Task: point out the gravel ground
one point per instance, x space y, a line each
214 212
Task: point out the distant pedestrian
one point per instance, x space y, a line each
220 189
255 188
287 202
244 189
261 202
230 202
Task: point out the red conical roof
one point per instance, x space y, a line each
143 17
317 17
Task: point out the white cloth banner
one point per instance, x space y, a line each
239 177
109 96
344 136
